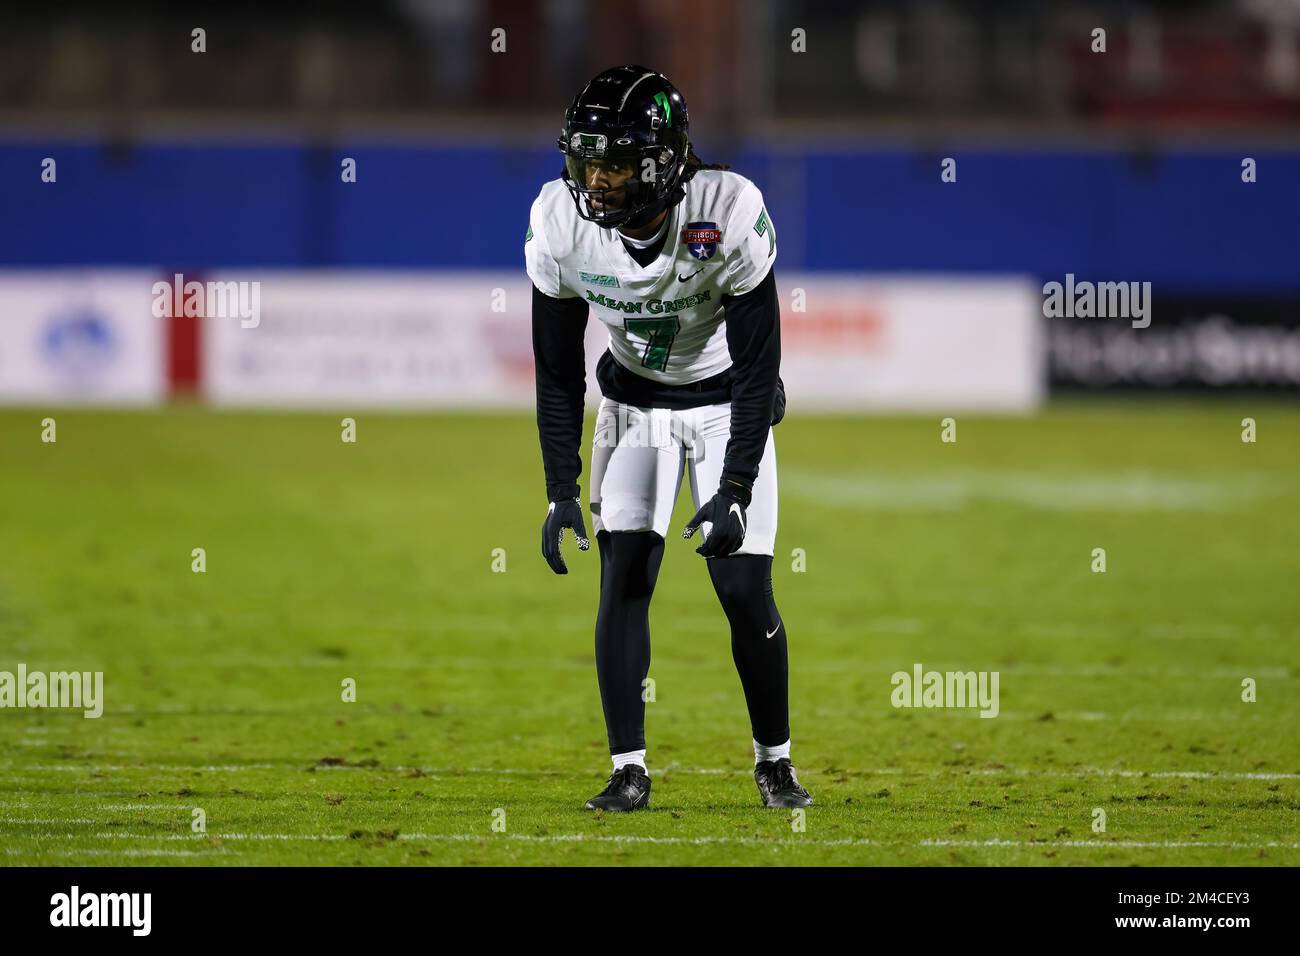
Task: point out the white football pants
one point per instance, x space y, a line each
637 461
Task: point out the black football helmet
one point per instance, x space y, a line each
625 142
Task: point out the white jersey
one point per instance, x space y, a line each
665 320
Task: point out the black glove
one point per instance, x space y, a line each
566 513
727 515
778 402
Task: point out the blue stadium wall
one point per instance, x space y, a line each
1179 217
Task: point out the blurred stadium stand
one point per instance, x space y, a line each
425 63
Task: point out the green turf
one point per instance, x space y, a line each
476 690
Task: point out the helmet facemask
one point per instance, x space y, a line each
614 184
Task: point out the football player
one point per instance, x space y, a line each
675 258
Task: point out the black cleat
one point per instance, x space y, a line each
779 787
628 789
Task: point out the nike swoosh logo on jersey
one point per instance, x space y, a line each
774 630
740 515
682 278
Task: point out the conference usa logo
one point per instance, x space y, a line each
702 239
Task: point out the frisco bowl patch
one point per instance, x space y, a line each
702 239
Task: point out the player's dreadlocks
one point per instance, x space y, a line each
694 164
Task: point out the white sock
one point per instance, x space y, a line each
762 753
632 756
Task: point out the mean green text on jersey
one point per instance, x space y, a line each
652 306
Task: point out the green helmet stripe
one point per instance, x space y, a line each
662 99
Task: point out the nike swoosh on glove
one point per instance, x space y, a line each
727 515
562 514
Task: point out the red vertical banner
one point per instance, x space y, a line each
184 344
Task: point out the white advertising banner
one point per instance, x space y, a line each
464 340
80 337
918 344
375 339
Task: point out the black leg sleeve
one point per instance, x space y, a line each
743 583
629 567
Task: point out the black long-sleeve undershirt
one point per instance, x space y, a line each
558 329
753 330
754 340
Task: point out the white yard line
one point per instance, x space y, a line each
793 841
113 853
827 663
1227 714
37 822
94 804
1165 844
160 768
671 768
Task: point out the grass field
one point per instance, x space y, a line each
476 694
